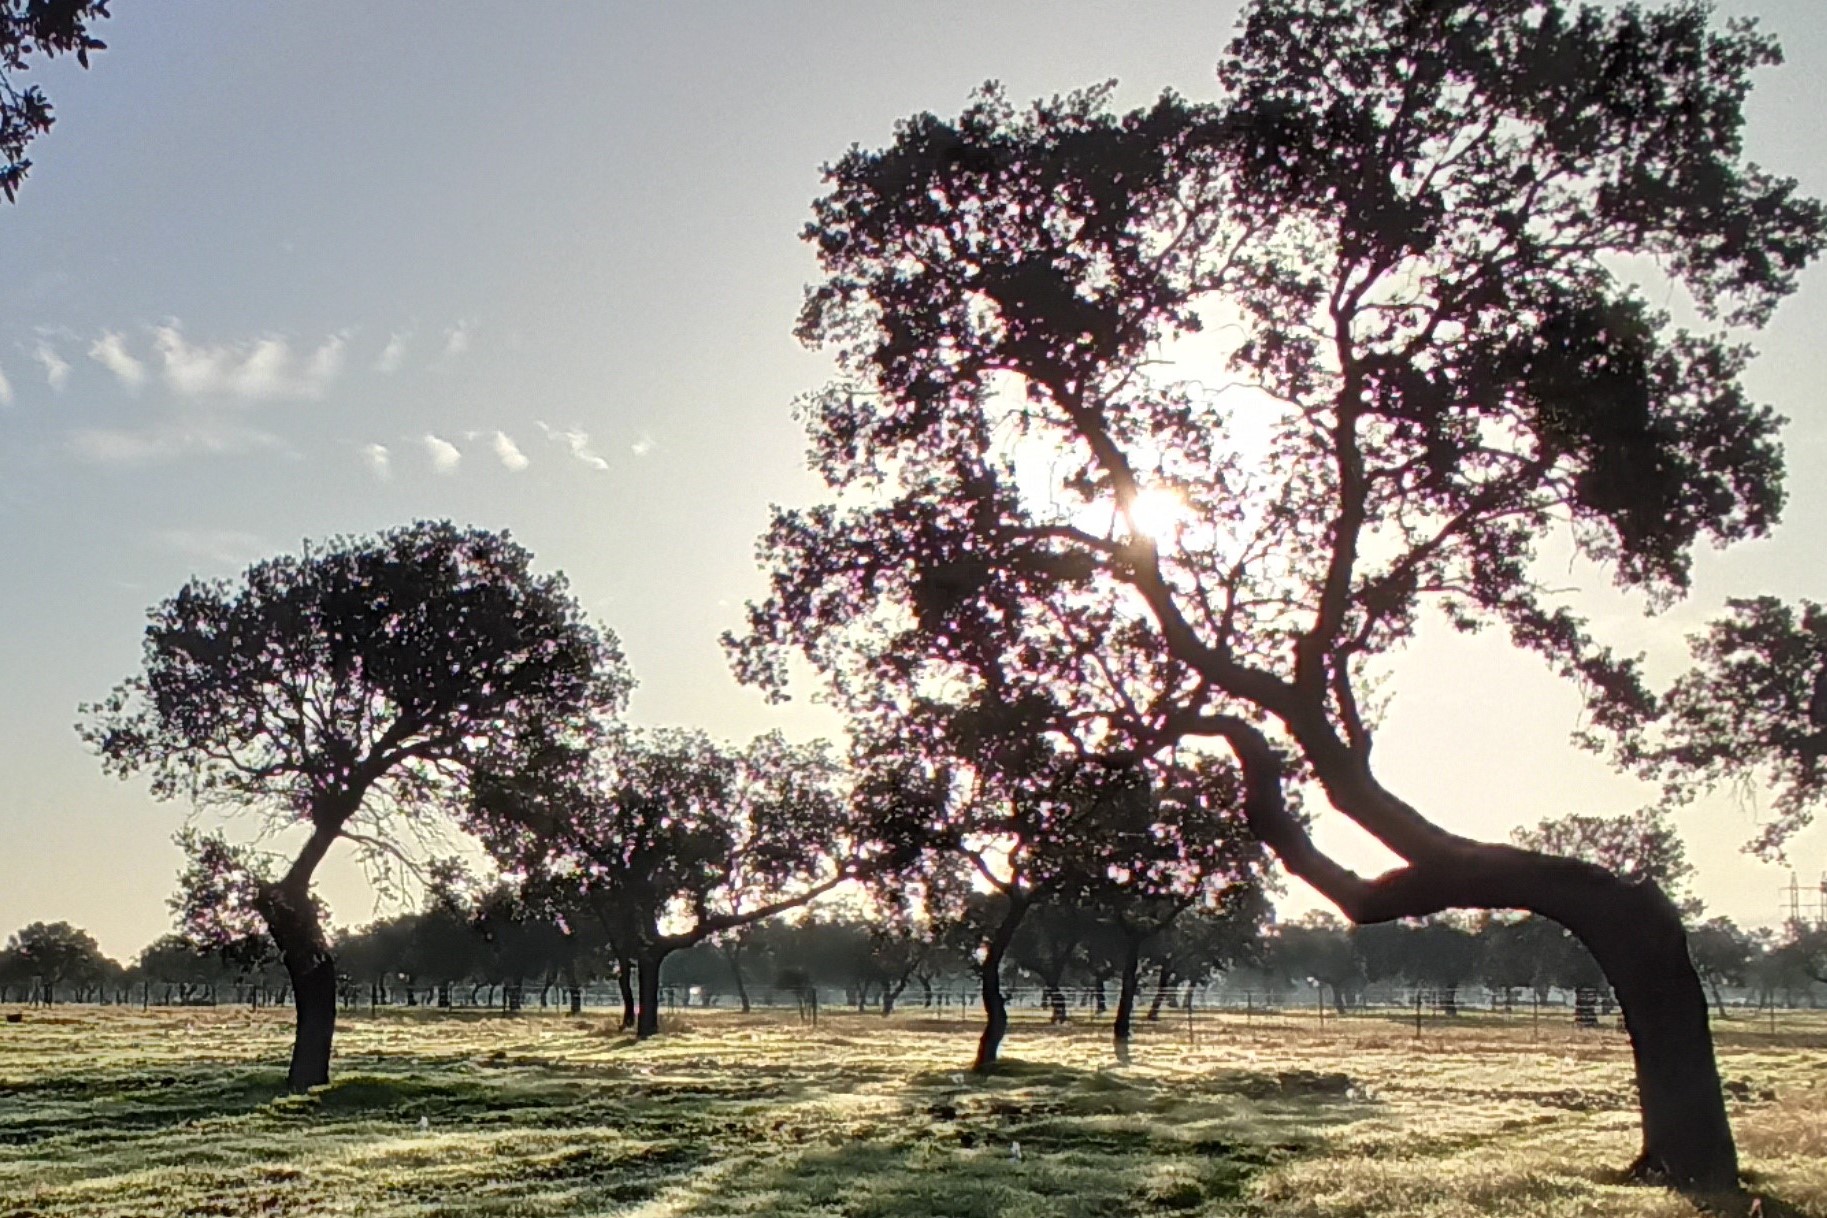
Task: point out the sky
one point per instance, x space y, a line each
291 271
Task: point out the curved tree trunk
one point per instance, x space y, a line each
292 921
995 1006
1633 931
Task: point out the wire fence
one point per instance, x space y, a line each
1414 1011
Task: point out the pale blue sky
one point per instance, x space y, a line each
546 258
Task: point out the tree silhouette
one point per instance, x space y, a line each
1418 224
27 28
672 837
352 689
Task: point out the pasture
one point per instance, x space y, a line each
112 1112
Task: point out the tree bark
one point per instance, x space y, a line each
647 1013
1163 987
1633 931
292 921
1126 992
624 980
995 1006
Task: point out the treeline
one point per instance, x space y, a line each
500 950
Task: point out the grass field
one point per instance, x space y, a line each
115 1112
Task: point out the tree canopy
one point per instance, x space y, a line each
27 28
353 688
1422 237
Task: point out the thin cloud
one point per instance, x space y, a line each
643 446
262 369
378 460
456 340
509 452
6 389
56 368
177 438
110 351
223 547
392 355
579 444
445 456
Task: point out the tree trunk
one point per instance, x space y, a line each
1126 992
995 1006
1056 1001
647 1013
624 980
1163 987
1633 931
292 921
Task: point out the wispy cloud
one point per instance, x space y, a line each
579 444
444 455
378 460
174 438
110 351
456 340
392 355
223 547
56 368
643 446
509 452
6 389
261 369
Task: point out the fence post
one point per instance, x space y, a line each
1191 1039
1417 1012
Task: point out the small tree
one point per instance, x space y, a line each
53 954
352 689
674 838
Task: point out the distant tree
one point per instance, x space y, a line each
1642 848
675 838
55 954
1215 937
1317 947
351 689
185 970
1722 956
28 28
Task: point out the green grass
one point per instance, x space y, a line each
115 1113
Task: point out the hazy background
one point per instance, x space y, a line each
290 271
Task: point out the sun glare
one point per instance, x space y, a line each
1157 513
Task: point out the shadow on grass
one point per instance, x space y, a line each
1043 1139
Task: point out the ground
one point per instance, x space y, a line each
112 1112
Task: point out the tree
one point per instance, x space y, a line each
54 954
1642 848
1420 223
352 689
675 838
1722 956
36 27
1318 948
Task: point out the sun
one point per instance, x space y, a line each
1157 513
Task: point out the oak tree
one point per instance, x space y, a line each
353 690
1422 237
